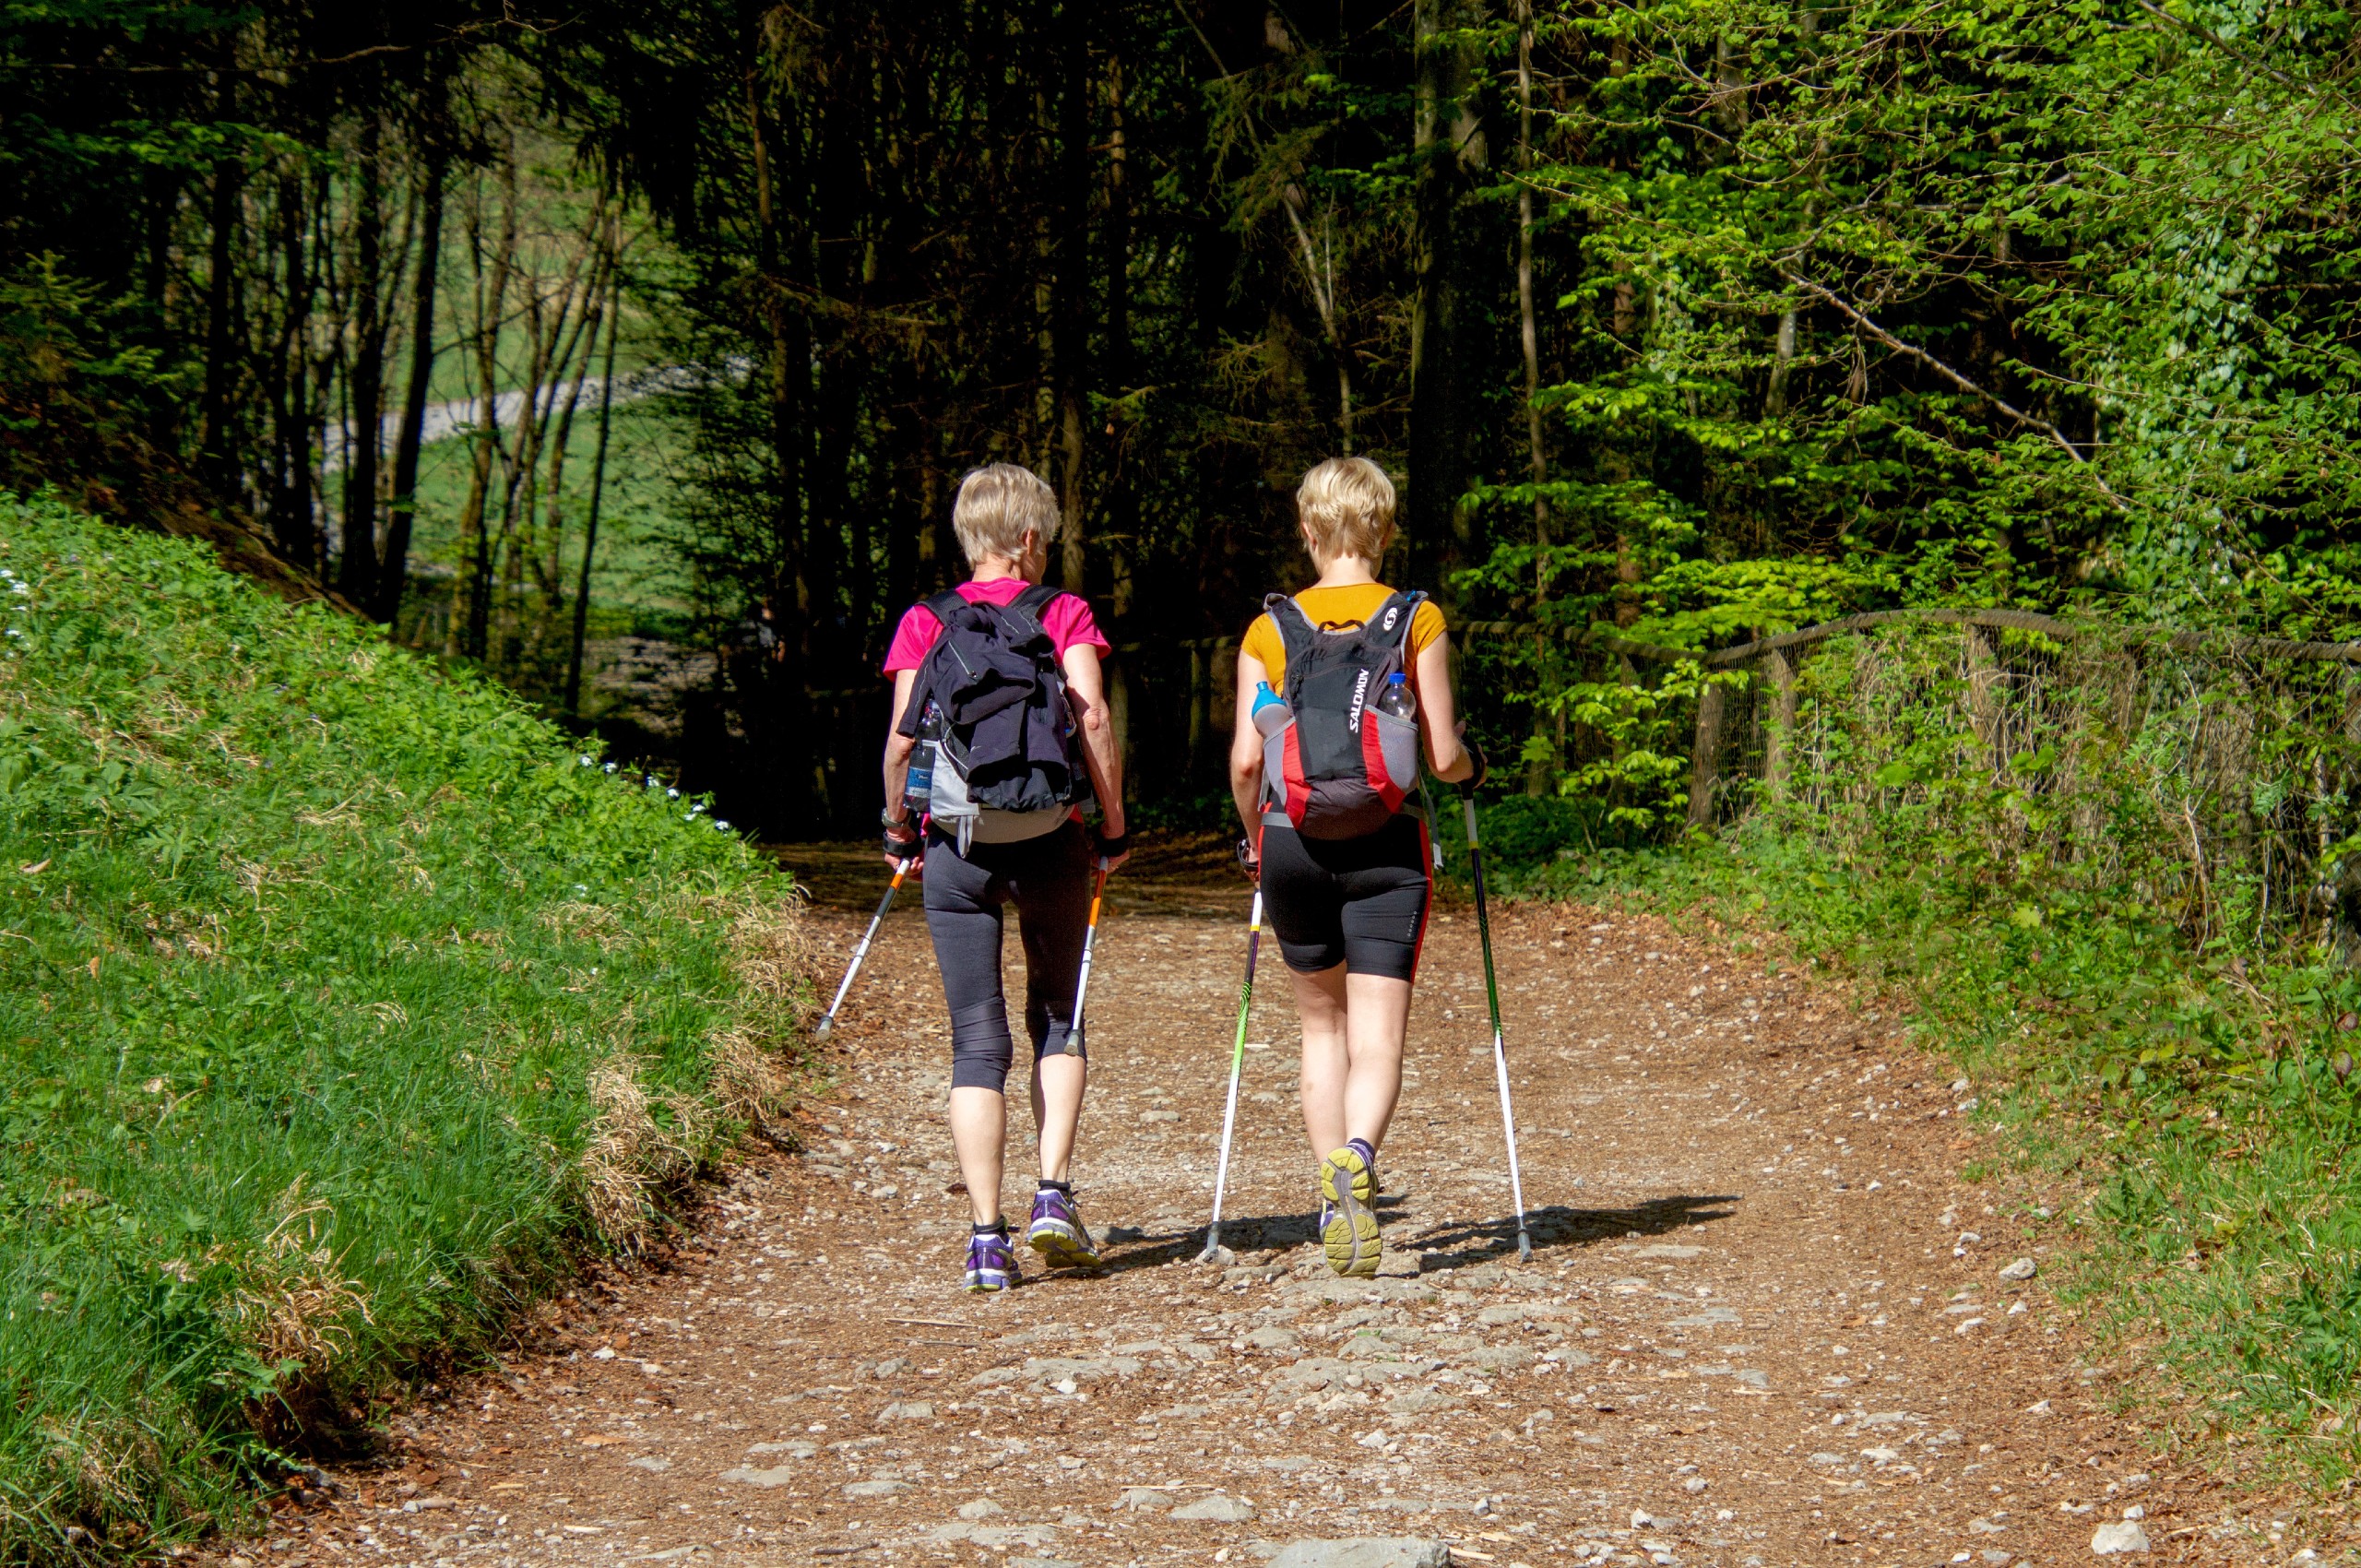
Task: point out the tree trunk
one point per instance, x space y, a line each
291 497
598 490
471 605
1447 142
1541 768
394 570
1774 400
218 450
364 420
1069 306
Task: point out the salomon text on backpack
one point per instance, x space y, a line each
990 699
1341 768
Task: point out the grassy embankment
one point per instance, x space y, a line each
344 1005
2176 1112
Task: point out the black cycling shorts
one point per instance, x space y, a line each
1358 902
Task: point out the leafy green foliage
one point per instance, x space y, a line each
322 979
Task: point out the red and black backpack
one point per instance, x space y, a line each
1341 768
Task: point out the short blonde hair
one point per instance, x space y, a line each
997 503
1347 502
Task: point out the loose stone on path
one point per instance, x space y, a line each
1363 1551
1714 1359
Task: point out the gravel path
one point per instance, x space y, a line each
1764 1324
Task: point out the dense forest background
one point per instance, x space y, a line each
630 349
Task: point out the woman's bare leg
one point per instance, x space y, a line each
1058 1083
980 1132
1353 1030
1377 1021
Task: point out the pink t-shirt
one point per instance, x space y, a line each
1066 618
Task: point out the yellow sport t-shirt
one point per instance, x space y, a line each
1337 607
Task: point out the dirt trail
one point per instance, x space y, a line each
1763 1325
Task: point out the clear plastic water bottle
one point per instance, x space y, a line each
919 790
1397 698
1271 711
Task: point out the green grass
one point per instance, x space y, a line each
342 1006
2180 1112
634 574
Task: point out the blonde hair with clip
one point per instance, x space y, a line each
1348 505
997 503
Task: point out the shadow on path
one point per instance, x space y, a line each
1458 1244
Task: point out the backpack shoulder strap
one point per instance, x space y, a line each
942 606
1389 624
1297 637
1036 599
1295 630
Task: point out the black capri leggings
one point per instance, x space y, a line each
1048 880
1358 902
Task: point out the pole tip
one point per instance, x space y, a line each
828 1022
1523 1247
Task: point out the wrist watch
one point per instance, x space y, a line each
889 820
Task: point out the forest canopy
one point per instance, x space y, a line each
1693 322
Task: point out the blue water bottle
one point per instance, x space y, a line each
1270 712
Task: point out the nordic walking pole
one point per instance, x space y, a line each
828 1019
1237 1061
1500 1044
1089 945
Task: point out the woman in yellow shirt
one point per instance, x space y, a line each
1342 866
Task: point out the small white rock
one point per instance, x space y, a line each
2024 1268
2137 1511
2108 1540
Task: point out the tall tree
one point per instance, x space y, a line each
1447 150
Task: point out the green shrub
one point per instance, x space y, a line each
342 1005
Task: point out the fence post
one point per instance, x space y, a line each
1777 743
1983 695
1710 701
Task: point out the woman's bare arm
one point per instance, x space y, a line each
1101 758
1246 748
898 747
1438 712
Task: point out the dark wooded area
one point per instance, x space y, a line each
1689 326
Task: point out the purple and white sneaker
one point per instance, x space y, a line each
1058 1233
991 1261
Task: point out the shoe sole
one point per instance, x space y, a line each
1060 1247
984 1281
1350 1236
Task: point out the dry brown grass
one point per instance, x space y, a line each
293 1302
756 1064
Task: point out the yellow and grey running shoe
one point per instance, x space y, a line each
1348 1220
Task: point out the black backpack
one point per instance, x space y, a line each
1341 768
991 699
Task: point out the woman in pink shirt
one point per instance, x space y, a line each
1006 518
